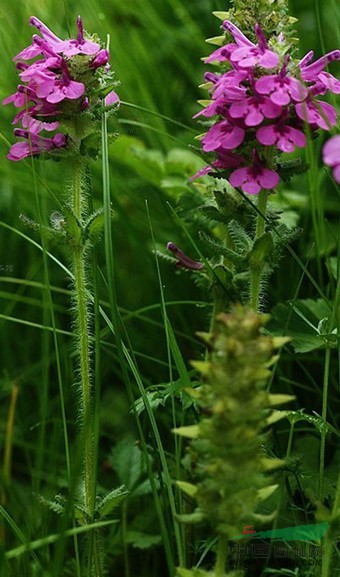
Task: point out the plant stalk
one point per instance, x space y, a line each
83 351
257 270
221 556
324 420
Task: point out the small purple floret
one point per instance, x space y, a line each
183 260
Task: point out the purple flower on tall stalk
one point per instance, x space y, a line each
67 80
264 102
331 156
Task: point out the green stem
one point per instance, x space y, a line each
83 350
257 270
329 539
221 556
324 419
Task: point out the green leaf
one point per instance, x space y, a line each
187 488
195 517
57 505
301 322
72 226
141 540
94 226
111 501
261 250
212 213
127 461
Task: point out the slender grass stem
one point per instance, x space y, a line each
329 539
324 418
257 270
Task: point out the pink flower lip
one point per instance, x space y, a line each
112 98
251 179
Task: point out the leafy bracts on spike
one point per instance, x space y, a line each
231 470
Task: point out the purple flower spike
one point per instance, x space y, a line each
58 86
254 178
223 135
183 260
331 156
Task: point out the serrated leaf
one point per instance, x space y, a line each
95 225
261 250
155 398
241 239
211 212
57 505
111 501
72 226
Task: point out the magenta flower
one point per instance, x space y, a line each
331 156
311 72
283 136
223 135
246 98
254 109
79 45
246 54
317 113
225 161
254 178
281 88
112 98
67 79
34 144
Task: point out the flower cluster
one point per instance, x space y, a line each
64 82
263 101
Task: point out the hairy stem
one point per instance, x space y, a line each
257 270
83 351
